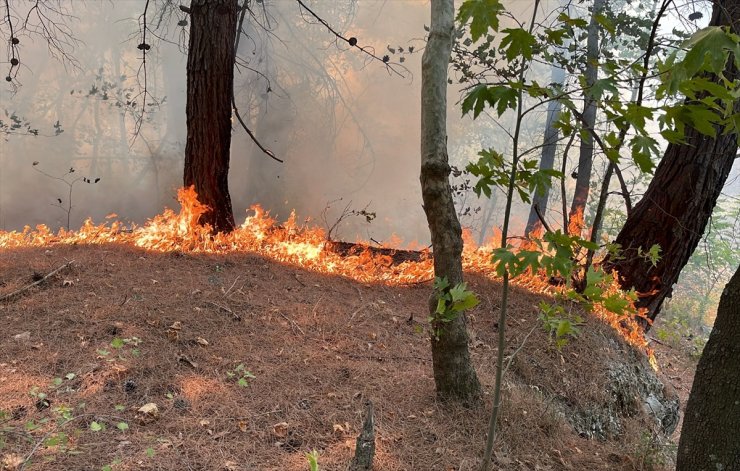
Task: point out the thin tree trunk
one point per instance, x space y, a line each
454 375
210 83
547 160
709 437
586 157
677 204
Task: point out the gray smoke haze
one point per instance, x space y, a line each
346 128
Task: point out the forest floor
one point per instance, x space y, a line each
252 364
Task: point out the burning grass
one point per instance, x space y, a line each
288 243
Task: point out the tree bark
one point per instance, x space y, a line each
454 375
547 159
678 203
709 437
210 84
586 156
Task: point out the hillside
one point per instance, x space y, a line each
122 327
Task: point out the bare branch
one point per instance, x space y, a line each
352 42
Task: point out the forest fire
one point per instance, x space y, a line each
290 243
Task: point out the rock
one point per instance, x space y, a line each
22 337
634 388
147 413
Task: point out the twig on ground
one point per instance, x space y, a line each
292 322
295 275
653 339
356 312
234 315
35 283
226 293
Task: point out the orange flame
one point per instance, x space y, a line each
289 243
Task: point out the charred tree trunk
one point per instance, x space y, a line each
678 203
454 375
586 157
210 84
709 437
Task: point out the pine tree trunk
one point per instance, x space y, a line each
454 375
586 156
711 426
210 83
677 205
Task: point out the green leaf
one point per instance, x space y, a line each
150 452
615 303
556 36
499 97
606 23
643 149
117 343
120 407
504 259
95 426
123 426
242 382
602 85
441 305
484 15
709 50
518 42
572 22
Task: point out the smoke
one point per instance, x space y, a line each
347 129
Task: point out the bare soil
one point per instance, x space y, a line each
121 328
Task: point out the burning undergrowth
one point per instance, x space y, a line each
296 244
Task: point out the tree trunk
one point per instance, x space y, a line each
677 205
709 437
454 375
586 157
547 160
210 84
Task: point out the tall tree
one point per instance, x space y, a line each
454 375
586 156
547 158
709 437
210 84
679 201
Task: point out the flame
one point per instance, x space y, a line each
291 243
576 223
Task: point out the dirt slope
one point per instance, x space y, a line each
122 328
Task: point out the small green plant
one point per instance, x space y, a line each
558 324
120 345
451 301
241 375
109 467
313 460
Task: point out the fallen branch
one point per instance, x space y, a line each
35 283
